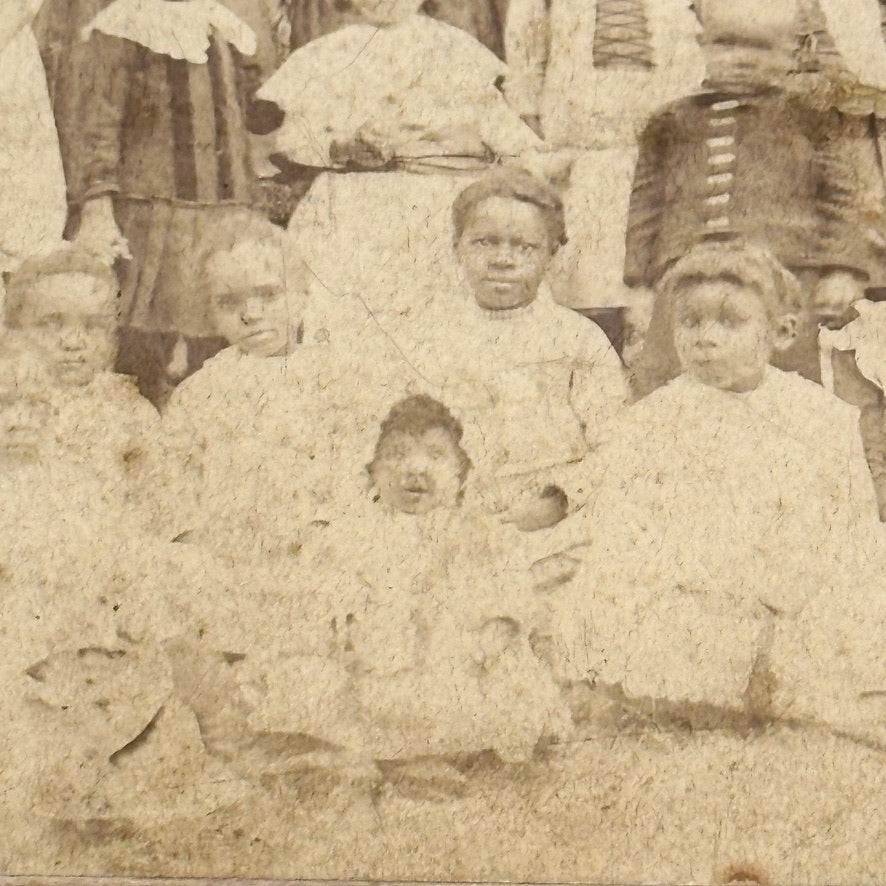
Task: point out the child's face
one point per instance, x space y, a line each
505 250
250 303
418 473
69 320
724 336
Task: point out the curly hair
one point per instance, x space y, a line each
416 416
740 263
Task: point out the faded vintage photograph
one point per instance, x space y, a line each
444 440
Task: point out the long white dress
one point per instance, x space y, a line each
424 677
719 520
32 205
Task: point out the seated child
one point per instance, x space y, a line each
725 502
438 639
61 311
87 604
392 650
534 383
261 432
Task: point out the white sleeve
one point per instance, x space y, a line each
526 53
599 386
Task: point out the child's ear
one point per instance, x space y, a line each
786 329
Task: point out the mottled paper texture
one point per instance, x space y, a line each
443 442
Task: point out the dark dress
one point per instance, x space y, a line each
482 19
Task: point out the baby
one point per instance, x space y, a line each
61 312
439 654
747 493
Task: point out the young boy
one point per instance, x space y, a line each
62 311
264 431
728 499
533 383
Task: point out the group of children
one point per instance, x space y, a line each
397 541
394 556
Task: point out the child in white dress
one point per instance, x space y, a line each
62 311
264 433
727 501
438 634
534 384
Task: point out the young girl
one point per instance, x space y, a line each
62 310
733 501
269 428
166 157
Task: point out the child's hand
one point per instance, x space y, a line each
99 234
538 511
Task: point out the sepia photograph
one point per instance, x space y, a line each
443 441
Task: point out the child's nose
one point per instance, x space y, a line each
253 309
503 256
73 338
711 334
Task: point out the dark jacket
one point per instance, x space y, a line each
805 183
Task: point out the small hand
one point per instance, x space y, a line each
99 234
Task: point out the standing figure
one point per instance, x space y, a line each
32 205
166 155
587 74
750 158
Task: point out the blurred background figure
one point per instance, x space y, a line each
32 204
482 19
754 156
587 76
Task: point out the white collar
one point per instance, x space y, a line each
180 30
542 298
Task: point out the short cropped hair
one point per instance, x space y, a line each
740 263
416 416
61 262
239 228
512 184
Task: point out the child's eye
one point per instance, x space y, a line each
485 242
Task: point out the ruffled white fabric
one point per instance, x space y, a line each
29 160
866 336
180 30
855 27
372 83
